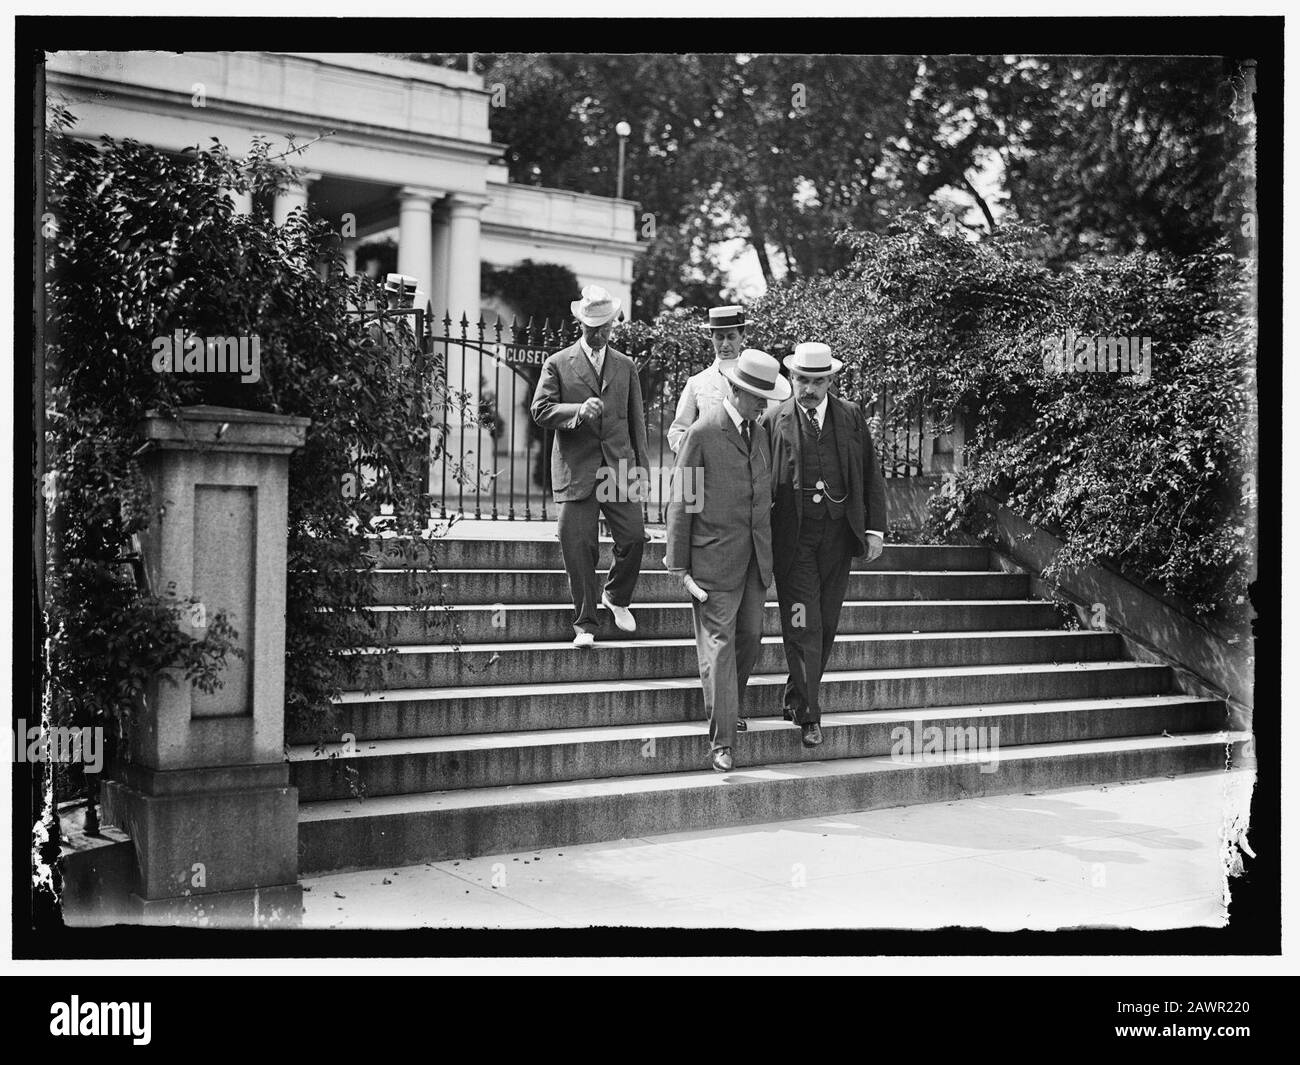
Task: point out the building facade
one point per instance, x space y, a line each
389 147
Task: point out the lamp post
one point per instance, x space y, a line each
624 131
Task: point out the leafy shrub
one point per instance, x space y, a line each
1152 478
147 243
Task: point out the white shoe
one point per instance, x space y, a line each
622 615
584 639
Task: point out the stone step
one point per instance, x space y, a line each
467 587
544 553
396 830
452 711
407 766
534 622
430 665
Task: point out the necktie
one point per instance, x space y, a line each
597 363
816 425
746 428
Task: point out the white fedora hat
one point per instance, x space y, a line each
812 359
596 306
757 372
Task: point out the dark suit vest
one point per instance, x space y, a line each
821 462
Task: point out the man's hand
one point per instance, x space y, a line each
688 582
875 547
591 409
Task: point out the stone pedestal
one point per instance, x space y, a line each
204 789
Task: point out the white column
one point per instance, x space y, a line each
415 233
464 257
290 198
350 254
466 365
243 201
441 262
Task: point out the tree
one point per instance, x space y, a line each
783 152
1109 155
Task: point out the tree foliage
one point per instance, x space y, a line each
776 154
538 292
1154 478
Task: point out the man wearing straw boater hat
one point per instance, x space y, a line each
589 394
721 544
707 389
828 505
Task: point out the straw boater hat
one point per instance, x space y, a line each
757 372
812 360
596 306
401 283
726 318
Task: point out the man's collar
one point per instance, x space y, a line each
736 419
820 408
587 350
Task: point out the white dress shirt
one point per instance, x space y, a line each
736 419
820 409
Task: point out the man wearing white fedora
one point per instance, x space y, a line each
828 505
706 390
721 544
589 394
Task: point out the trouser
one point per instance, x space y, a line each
728 635
811 592
580 544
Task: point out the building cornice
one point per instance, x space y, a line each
392 67
149 100
568 240
552 193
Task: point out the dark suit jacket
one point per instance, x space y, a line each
582 448
733 519
865 506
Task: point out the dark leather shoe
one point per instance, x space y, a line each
721 759
787 713
812 734
740 725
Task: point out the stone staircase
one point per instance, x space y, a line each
517 740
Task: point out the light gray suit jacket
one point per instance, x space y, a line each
582 448
733 519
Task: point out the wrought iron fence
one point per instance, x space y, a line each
490 460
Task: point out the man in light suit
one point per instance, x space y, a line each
721 545
707 389
589 394
828 505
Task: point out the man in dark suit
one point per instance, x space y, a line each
720 542
589 394
828 505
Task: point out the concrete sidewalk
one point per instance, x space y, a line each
1147 855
